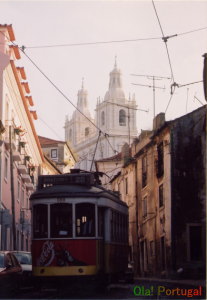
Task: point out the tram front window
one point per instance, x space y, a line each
40 217
85 220
61 220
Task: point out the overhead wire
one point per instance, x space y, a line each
191 31
169 101
165 39
56 87
52 130
95 150
94 43
113 41
198 100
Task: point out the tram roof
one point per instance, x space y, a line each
69 191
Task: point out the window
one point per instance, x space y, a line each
40 219
126 186
162 247
122 117
144 170
27 205
195 242
53 153
160 160
18 239
102 118
18 190
7 111
152 248
101 221
22 200
87 131
61 220
6 168
85 219
144 207
161 196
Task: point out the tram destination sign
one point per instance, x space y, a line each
66 179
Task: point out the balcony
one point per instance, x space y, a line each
22 169
7 142
26 178
16 156
29 186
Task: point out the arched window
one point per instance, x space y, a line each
102 118
86 131
122 117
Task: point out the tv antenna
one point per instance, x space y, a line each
153 78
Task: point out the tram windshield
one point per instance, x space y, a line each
61 220
40 219
85 219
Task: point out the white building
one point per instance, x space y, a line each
115 120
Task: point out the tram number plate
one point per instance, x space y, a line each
60 200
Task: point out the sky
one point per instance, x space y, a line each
53 23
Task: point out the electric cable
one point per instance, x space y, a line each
165 41
113 41
93 43
95 149
55 86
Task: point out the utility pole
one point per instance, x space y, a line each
153 78
12 191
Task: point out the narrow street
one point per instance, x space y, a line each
137 290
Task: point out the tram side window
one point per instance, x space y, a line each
119 227
85 219
40 221
61 220
100 221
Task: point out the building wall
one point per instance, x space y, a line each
20 151
125 183
167 180
64 159
189 194
154 220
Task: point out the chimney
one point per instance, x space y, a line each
158 121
